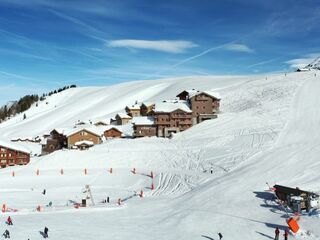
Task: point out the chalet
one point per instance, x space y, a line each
172 117
204 105
56 140
11 155
144 126
296 198
122 118
84 134
112 132
146 108
133 111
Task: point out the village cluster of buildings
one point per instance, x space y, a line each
146 119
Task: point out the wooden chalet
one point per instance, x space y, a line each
78 135
112 132
11 155
122 119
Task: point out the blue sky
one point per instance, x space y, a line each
46 44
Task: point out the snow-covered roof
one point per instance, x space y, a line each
13 146
62 130
84 142
189 92
148 120
210 93
123 115
107 128
147 104
134 107
93 129
170 106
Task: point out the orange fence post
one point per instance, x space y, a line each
4 208
141 194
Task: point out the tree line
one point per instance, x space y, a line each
10 110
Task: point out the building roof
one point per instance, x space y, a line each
210 93
134 107
148 120
123 115
188 92
94 130
107 128
172 105
147 104
13 146
84 142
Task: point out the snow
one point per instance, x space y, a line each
85 142
147 120
267 132
172 105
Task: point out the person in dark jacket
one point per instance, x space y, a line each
276 232
6 234
220 236
286 234
45 231
44 192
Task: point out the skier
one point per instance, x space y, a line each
9 221
46 230
211 170
108 199
277 232
220 236
6 234
44 192
285 235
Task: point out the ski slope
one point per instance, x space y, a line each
266 132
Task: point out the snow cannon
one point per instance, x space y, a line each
134 171
119 201
151 174
293 225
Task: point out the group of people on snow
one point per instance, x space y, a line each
9 222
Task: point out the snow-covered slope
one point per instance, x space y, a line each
267 132
314 65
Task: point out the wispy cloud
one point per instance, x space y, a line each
303 61
162 45
262 63
239 48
